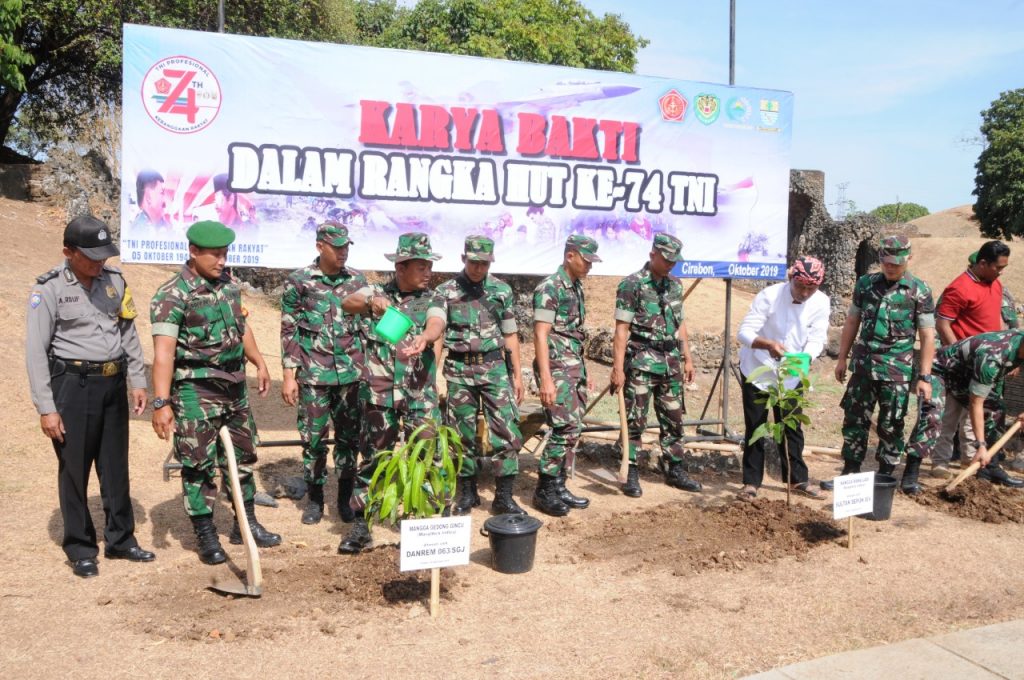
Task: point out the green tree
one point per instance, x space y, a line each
895 213
999 182
12 56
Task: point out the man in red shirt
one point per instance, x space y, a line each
971 305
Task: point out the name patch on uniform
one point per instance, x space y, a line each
35 299
67 300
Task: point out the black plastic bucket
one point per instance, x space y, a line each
513 542
885 489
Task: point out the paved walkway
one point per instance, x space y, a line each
987 653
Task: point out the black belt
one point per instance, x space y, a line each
104 368
658 345
477 358
231 367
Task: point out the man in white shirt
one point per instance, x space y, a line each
785 317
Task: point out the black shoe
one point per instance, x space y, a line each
632 486
314 510
85 568
547 498
357 539
133 554
263 538
850 467
908 484
997 475
568 497
208 545
676 477
503 503
345 511
467 497
885 468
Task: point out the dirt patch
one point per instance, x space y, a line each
978 500
302 588
686 539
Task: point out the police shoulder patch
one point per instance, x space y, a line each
35 299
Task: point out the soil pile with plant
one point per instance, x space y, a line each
687 539
979 500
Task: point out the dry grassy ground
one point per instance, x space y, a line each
669 585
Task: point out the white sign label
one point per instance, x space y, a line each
853 495
435 542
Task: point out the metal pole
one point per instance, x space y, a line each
726 357
732 42
220 16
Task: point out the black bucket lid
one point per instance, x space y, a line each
513 525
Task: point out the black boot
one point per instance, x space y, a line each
345 487
503 503
467 496
547 498
676 476
908 484
357 539
568 497
850 467
886 468
632 486
314 510
207 543
263 538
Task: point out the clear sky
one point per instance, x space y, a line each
886 91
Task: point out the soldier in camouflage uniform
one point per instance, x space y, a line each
200 345
321 352
967 371
652 359
402 388
480 336
888 309
559 312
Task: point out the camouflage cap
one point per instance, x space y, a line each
333 234
414 245
479 248
894 249
210 234
584 245
669 246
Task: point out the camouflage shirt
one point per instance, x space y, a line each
976 365
558 300
395 383
318 339
654 311
479 316
1009 310
207 319
890 316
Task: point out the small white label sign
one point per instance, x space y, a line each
853 495
435 542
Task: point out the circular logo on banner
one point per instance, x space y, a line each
181 94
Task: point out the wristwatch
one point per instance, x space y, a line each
160 402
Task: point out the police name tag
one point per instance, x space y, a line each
435 542
853 495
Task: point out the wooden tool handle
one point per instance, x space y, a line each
254 575
623 435
973 467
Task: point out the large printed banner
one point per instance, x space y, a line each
273 137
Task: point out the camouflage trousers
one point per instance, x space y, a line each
929 420
667 391
319 407
201 408
565 418
893 398
502 417
381 426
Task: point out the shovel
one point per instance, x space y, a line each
230 583
973 467
623 436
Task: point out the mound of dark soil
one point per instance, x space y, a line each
977 499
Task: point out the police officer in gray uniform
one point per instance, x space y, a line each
80 344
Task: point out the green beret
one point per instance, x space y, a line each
210 234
